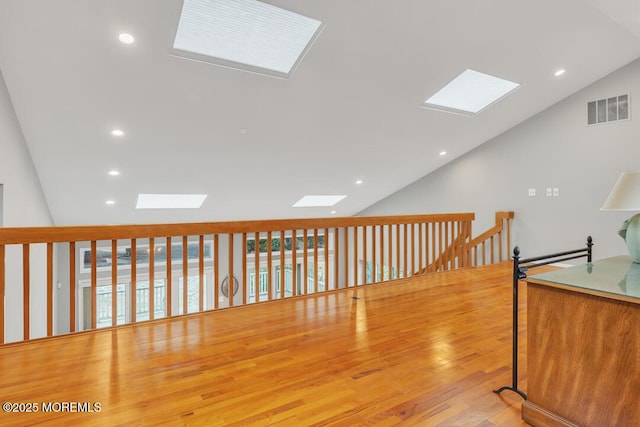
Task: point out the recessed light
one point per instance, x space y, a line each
245 34
470 93
117 132
333 212
170 201
318 201
560 72
114 173
110 202
443 153
359 182
126 38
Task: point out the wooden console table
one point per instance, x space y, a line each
583 351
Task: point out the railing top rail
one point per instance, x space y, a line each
28 235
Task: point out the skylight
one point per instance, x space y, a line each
245 34
317 201
470 93
170 201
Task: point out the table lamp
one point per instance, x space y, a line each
625 196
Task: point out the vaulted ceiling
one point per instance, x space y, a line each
256 144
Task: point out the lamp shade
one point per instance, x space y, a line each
625 195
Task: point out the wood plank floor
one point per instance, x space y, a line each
426 351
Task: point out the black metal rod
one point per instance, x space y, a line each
540 264
559 254
514 342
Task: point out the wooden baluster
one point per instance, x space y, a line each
256 276
364 254
413 249
169 283
114 282
397 276
305 264
326 259
201 273
72 287
336 255
500 245
282 265
152 278
216 272
94 283
244 269
294 263
355 256
405 254
430 254
390 240
315 260
185 274
434 247
374 277
269 266
345 235
49 289
446 255
381 269
134 281
420 265
230 280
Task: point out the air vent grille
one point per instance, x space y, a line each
606 110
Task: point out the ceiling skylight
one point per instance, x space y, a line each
170 201
317 201
470 93
245 34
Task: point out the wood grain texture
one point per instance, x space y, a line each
425 351
584 357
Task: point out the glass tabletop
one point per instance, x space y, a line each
618 275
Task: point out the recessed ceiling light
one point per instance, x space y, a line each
333 212
117 132
443 153
246 34
560 72
359 182
470 93
317 201
126 38
110 202
114 173
170 201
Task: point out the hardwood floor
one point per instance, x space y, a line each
426 351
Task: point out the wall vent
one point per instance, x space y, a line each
608 110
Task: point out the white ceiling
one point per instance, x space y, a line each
256 144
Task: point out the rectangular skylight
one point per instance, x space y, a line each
317 201
245 34
470 93
170 201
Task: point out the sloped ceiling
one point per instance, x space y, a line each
256 144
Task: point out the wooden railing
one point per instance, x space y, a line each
464 251
496 241
56 280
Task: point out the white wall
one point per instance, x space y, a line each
552 149
23 205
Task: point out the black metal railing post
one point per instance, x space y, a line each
514 343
